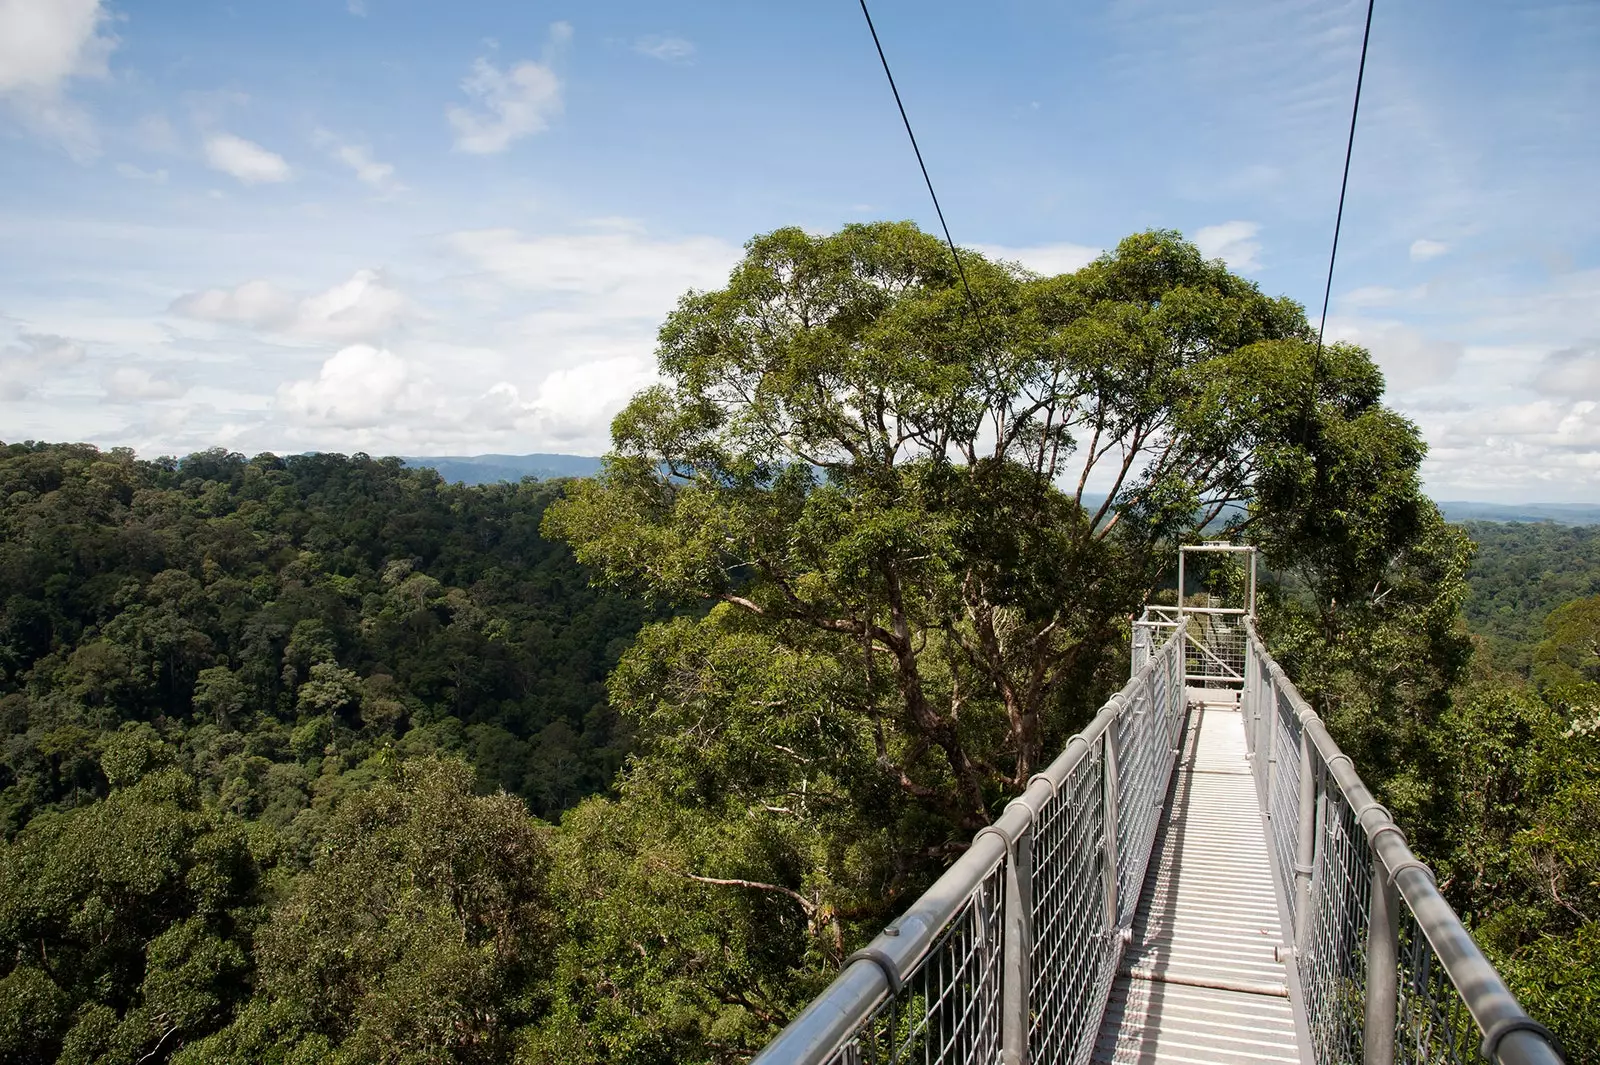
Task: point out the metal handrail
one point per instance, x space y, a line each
985 902
1308 818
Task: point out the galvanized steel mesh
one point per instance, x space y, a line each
1332 938
948 1008
1216 648
1072 956
951 1000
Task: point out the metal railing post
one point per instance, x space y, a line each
1108 765
1269 747
1017 980
1306 851
1383 970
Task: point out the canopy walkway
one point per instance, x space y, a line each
1200 876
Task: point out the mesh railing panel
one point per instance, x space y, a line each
1284 798
1144 766
1332 948
1216 647
1433 1024
961 998
1332 961
948 1008
1071 953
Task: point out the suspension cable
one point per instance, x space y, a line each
1344 184
961 270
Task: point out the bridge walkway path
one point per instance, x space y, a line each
1200 981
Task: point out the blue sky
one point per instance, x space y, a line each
420 227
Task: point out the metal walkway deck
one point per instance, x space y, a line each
1200 981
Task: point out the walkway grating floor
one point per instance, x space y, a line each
1200 981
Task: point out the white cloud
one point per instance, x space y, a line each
1545 449
1423 250
509 104
1409 358
359 159
27 364
43 45
358 387
1046 259
1382 296
666 49
254 303
1232 242
356 7
1573 373
245 160
130 383
134 173
609 275
361 308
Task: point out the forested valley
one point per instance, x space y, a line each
321 758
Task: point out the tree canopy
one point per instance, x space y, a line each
958 503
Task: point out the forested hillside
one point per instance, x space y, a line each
321 759
1520 573
284 621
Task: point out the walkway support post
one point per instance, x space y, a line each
1383 971
1305 859
1108 818
1016 980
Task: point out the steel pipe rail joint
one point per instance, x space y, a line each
1510 1035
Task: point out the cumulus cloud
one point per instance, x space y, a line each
1423 250
245 160
509 104
1046 259
358 387
1546 448
27 364
666 49
43 45
360 308
132 383
1232 242
1573 373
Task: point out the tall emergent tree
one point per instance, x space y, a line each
923 519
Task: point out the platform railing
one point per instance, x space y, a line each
1387 971
1010 955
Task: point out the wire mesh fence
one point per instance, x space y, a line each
1371 983
1025 936
1071 954
948 1008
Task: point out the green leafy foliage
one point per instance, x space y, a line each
283 620
1521 572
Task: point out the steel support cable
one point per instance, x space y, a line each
1344 184
960 270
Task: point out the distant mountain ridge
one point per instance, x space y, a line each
488 469
1560 513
